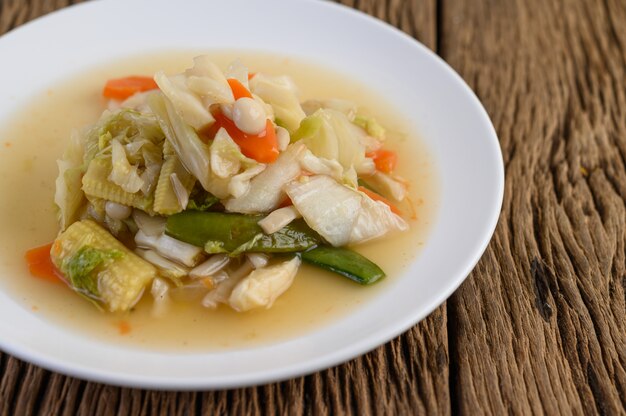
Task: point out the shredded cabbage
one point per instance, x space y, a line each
226 156
330 134
123 173
186 102
69 196
263 286
266 189
340 214
281 93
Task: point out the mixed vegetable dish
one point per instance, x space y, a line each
214 186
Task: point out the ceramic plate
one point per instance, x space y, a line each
444 110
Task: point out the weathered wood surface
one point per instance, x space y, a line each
540 325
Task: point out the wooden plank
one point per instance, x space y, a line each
541 322
407 376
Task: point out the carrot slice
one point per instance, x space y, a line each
238 89
40 265
122 88
380 198
251 75
262 147
385 160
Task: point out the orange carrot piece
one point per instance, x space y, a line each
380 198
40 265
385 160
238 89
122 88
123 327
251 75
262 147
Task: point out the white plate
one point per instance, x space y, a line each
450 118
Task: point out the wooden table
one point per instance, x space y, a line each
540 324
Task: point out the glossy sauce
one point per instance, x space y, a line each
36 137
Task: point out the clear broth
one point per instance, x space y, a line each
36 137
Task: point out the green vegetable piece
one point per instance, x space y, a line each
237 233
308 128
371 126
345 262
79 268
198 228
200 200
296 236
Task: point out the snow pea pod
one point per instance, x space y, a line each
238 233
345 262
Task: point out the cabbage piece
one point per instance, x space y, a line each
346 107
226 156
278 219
68 195
207 80
263 286
321 166
375 219
137 102
327 207
137 131
371 126
340 214
188 104
122 172
222 291
238 71
281 93
388 186
192 152
330 135
160 293
239 184
266 189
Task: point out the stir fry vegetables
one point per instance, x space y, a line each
214 186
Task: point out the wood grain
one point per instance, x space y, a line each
539 327
540 324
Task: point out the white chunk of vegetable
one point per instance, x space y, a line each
321 166
266 189
160 294
223 290
328 207
240 184
123 173
375 220
258 260
209 267
282 137
182 194
226 156
69 195
171 248
117 211
388 186
166 267
249 116
186 102
238 71
278 219
263 286
282 94
151 226
340 214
